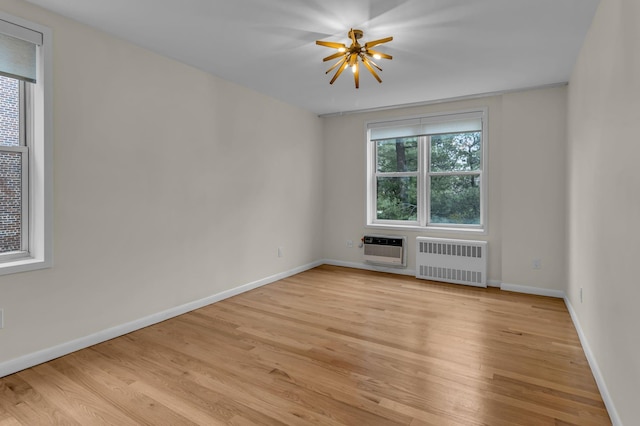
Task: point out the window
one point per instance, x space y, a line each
14 169
427 172
25 146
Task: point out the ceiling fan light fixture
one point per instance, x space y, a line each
350 56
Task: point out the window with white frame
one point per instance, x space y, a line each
14 168
25 146
428 172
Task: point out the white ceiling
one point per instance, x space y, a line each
442 49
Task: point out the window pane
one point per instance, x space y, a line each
455 199
397 198
10 201
9 111
397 155
455 152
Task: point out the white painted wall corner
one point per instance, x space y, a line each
595 369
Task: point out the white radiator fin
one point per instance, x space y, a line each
454 261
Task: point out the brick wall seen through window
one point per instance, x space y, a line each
10 167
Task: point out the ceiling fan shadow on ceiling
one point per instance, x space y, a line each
352 56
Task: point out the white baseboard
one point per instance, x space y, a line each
411 272
532 290
370 267
494 283
35 358
595 369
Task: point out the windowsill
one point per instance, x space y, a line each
23 265
430 229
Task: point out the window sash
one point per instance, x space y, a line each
428 213
24 178
419 187
418 202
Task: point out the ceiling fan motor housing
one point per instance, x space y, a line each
357 34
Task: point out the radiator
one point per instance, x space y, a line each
453 261
385 250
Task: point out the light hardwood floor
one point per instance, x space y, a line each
330 346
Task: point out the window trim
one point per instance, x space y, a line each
422 223
39 122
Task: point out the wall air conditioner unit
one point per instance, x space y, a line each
385 250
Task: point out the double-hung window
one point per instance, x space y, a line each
428 172
25 146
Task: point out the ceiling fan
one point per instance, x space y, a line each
349 56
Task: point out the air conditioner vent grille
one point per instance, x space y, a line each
385 250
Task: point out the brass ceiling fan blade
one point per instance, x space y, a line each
356 76
344 65
334 56
364 58
331 44
369 52
377 42
337 64
365 61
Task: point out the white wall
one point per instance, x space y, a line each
533 188
604 205
526 186
170 185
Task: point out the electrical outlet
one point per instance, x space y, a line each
537 264
580 294
280 251
350 243
1 318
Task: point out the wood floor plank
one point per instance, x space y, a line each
255 371
330 346
9 421
125 396
27 406
71 398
